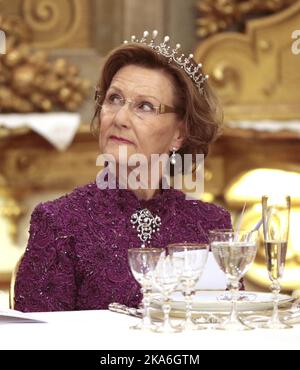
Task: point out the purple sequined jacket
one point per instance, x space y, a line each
76 258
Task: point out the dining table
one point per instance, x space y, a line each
104 330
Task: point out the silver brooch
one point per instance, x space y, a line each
146 224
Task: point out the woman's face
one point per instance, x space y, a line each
140 133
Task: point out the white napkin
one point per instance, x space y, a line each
213 277
57 128
16 317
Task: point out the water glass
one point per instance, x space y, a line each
143 262
234 252
191 259
166 279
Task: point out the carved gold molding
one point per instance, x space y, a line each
219 15
256 73
53 23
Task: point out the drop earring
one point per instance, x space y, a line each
173 157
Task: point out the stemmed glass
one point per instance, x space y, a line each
166 278
213 235
234 252
276 221
191 259
143 262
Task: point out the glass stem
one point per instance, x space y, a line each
188 304
234 285
166 310
275 290
146 308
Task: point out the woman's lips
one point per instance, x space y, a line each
120 140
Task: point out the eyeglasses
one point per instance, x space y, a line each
142 108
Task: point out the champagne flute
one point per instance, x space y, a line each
143 262
276 221
192 257
234 252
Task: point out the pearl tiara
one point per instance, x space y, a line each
194 71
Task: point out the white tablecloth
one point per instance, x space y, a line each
105 330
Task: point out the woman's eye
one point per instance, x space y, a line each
146 107
114 99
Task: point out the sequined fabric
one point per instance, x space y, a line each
76 258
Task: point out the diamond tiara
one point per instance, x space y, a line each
194 71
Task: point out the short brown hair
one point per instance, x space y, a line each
201 113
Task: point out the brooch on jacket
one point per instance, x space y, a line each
146 224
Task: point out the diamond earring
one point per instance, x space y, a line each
173 157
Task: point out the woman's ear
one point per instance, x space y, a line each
179 136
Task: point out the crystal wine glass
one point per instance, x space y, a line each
276 221
234 252
142 262
166 279
212 236
193 258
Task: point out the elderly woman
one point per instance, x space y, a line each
76 257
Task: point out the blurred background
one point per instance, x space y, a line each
52 60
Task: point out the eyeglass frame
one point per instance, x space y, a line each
160 109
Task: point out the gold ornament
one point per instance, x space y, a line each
220 15
29 82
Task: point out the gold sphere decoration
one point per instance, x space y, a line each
30 81
23 77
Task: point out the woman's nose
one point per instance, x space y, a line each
123 116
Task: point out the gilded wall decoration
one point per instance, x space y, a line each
10 210
29 82
53 23
256 74
219 15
